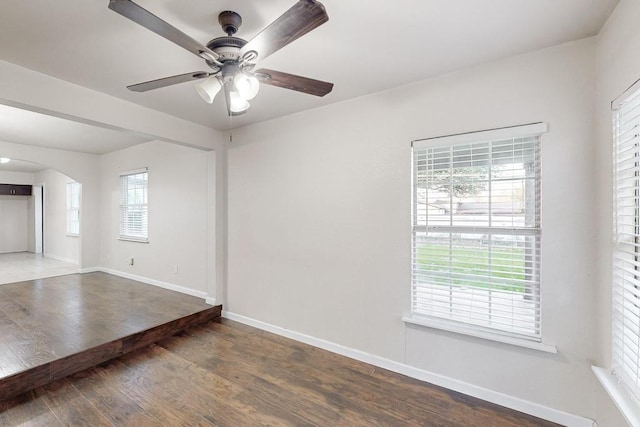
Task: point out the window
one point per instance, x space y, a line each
626 254
476 232
133 206
73 209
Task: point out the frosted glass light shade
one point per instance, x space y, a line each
247 85
208 88
4 160
238 103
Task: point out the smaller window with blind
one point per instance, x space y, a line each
626 253
476 232
73 209
134 211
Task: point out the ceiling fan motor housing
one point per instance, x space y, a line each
230 22
227 47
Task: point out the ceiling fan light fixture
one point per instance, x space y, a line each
231 58
247 85
208 88
4 160
238 104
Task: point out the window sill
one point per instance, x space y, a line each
131 239
72 235
621 397
450 327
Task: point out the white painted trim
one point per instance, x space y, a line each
132 239
134 171
620 100
148 281
498 398
621 397
158 283
450 327
63 259
510 132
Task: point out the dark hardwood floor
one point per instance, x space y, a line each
54 327
222 373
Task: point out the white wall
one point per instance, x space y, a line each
319 221
10 177
14 214
179 206
57 244
618 67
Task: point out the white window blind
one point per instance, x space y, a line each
73 208
626 254
476 231
133 206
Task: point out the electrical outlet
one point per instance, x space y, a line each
131 261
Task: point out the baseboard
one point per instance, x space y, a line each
498 398
154 282
63 259
210 301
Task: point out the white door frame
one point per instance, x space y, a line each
38 203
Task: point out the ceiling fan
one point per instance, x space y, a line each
232 59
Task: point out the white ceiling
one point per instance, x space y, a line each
21 166
365 47
31 128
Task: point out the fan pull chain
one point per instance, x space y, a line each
230 129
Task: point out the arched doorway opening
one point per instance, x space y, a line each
39 221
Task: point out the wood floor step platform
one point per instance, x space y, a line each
51 328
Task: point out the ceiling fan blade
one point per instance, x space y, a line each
303 17
293 82
168 81
141 16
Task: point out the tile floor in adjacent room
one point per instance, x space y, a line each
21 266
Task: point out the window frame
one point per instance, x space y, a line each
126 231
73 207
495 135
